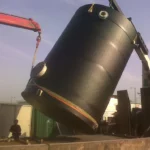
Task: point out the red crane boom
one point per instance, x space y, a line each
24 23
19 22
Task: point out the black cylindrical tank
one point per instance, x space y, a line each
76 80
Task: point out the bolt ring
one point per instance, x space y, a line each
103 14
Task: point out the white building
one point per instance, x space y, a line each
23 112
111 108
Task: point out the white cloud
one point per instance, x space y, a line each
130 77
20 53
50 43
148 45
1 82
127 81
134 54
43 39
92 1
82 2
4 57
10 49
70 2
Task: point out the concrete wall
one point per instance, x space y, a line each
137 144
10 112
24 147
7 115
134 144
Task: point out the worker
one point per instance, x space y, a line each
113 123
15 130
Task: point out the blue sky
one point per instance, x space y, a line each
17 45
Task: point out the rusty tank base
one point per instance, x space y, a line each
71 115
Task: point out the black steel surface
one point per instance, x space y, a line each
145 101
123 113
84 67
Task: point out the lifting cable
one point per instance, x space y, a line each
38 40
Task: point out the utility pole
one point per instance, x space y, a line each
134 95
11 99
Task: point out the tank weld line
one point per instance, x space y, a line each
70 104
123 30
103 69
116 48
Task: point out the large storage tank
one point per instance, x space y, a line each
76 80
